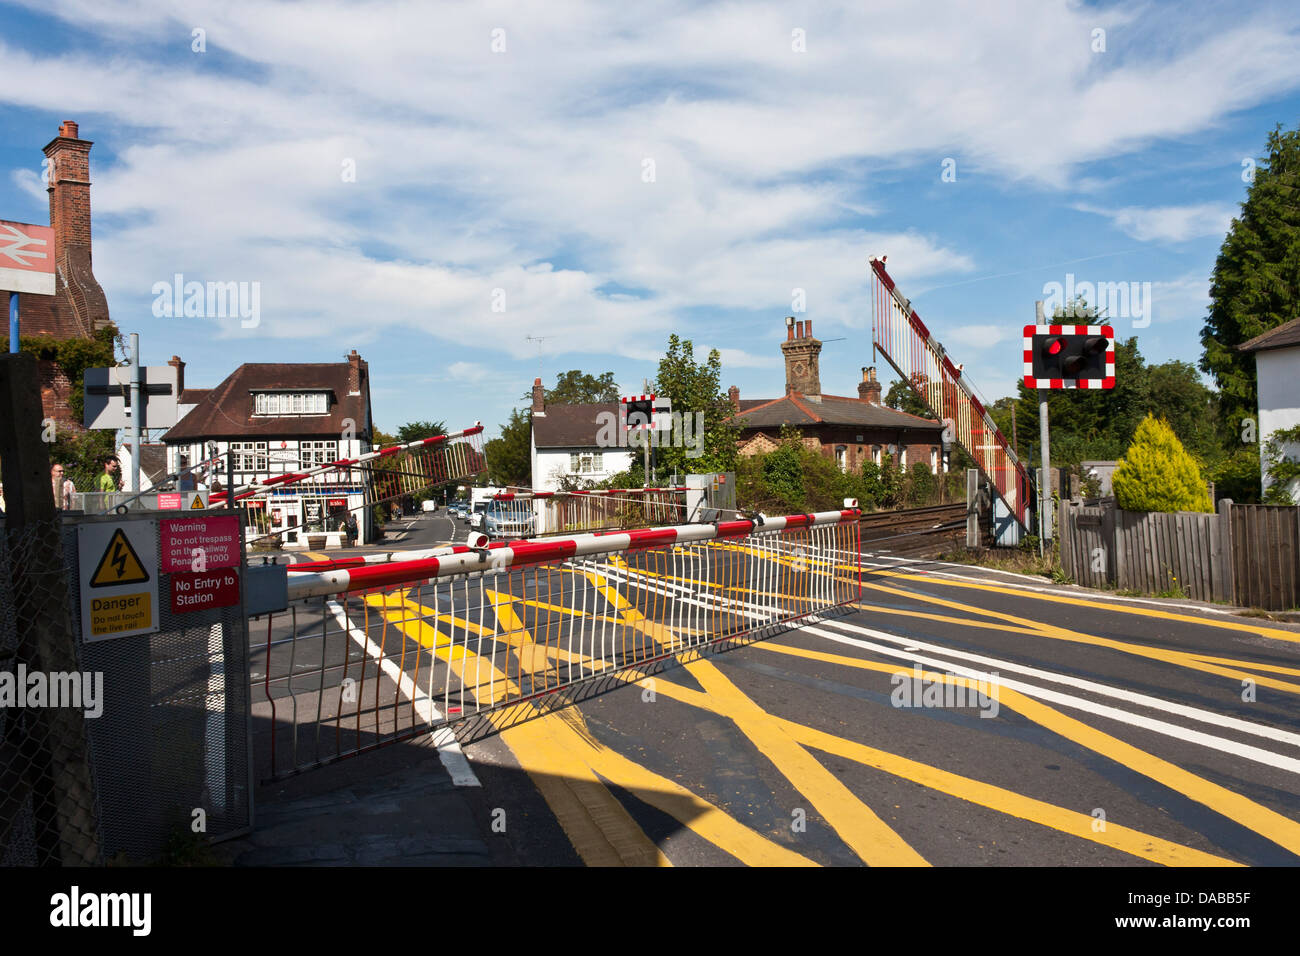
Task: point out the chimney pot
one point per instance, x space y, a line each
733 394
798 330
807 327
68 129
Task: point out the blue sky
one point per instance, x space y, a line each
789 143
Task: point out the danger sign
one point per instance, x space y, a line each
118 572
198 592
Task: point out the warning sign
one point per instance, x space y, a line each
118 572
200 543
169 501
119 565
198 592
198 500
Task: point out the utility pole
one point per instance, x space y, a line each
1045 481
137 408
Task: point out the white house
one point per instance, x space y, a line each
567 443
279 418
1277 373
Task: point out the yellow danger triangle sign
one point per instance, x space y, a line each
119 565
198 504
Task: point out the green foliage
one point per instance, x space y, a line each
74 357
1157 473
82 454
921 485
576 387
1283 468
1237 476
509 458
413 430
696 387
903 397
1256 281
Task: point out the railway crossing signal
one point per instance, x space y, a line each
1069 356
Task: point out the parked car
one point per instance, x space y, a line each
502 521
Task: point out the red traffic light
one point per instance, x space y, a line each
1054 345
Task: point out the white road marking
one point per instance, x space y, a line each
1245 751
449 752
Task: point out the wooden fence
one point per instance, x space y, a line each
1245 554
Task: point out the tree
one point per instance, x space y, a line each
903 397
576 387
413 430
696 388
1256 281
1157 473
510 457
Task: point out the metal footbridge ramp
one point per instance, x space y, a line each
920 361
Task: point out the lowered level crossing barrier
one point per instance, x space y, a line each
370 654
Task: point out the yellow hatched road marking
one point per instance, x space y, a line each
693 812
599 827
857 825
1262 820
1187 659
1125 839
1272 632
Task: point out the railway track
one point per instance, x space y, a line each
914 532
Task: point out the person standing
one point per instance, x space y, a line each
108 480
63 489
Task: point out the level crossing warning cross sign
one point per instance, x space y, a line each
118 578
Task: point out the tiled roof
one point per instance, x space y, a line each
227 410
570 426
796 409
1284 336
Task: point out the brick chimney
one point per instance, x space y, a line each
177 364
69 189
539 398
733 394
801 353
869 388
354 373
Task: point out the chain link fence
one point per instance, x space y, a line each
48 808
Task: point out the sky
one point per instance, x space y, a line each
473 194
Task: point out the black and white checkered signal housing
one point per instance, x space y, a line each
1069 356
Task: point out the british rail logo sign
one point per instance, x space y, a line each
26 258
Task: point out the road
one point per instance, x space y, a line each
950 717
1123 733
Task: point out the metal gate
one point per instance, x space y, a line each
369 654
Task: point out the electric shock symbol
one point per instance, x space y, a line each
119 565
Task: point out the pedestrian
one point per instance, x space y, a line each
186 482
349 524
108 480
63 489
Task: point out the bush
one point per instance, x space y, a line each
1157 473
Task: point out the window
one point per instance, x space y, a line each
841 457
934 460
587 462
290 403
312 453
249 455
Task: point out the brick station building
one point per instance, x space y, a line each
850 430
78 307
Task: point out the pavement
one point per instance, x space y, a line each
1124 731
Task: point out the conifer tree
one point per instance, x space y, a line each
1157 473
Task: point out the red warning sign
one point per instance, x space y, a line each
204 590
206 543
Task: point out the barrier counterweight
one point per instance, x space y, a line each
372 654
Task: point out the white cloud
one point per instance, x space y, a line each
1168 223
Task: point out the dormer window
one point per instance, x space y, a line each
290 403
